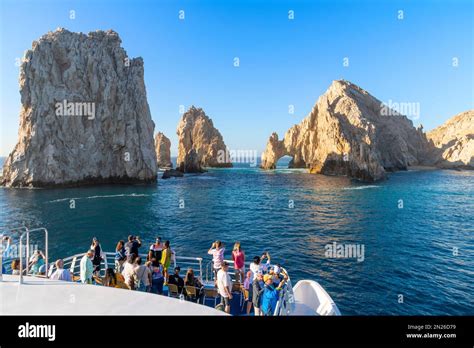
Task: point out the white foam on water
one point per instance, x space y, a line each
361 187
201 177
104 196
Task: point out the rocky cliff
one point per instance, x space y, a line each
454 141
84 115
200 144
163 151
347 133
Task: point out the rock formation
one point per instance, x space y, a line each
454 141
163 151
347 133
200 145
84 115
172 173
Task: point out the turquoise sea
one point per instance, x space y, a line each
417 228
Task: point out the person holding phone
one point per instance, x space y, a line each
217 251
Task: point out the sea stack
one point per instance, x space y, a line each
200 144
454 142
84 115
163 151
350 132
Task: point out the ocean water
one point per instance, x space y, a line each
409 250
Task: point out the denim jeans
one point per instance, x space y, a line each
157 286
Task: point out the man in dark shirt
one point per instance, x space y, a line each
131 247
177 280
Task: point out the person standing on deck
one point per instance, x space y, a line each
97 259
271 294
131 247
249 287
257 265
86 267
157 279
217 251
257 290
143 279
120 256
128 271
156 250
224 286
166 260
238 257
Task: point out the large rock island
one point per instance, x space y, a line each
84 115
200 144
163 151
454 142
350 132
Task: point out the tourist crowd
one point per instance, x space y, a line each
260 285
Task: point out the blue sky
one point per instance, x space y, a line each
282 62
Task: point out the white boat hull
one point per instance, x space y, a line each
311 299
41 296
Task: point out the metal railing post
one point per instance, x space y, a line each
1 246
21 260
47 250
21 250
1 257
200 269
27 252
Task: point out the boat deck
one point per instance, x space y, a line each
41 296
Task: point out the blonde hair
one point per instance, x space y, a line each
237 246
15 264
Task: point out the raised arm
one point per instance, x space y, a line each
210 251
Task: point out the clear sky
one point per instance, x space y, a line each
282 62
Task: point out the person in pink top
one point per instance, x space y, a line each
239 262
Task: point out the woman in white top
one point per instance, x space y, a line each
128 272
143 276
217 251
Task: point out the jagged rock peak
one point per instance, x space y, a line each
347 133
84 115
454 141
200 144
163 151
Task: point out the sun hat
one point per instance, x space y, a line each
266 277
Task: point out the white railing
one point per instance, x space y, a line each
25 233
19 228
73 263
284 306
286 301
